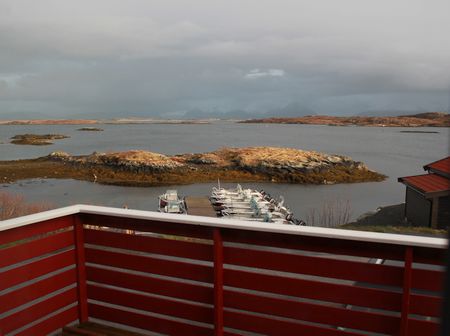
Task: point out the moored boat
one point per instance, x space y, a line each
250 204
170 202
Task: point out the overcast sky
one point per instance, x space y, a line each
105 58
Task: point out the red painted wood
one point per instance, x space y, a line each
170 247
35 269
428 280
422 328
427 255
218 283
51 324
314 244
267 326
150 265
316 290
319 266
36 290
38 310
31 230
78 236
337 315
147 303
151 285
147 322
425 305
35 248
145 225
406 291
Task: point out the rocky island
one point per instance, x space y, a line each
428 119
36 139
142 168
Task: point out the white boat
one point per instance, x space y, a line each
170 202
249 204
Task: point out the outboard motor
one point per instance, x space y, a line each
299 222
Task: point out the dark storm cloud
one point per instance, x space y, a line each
109 58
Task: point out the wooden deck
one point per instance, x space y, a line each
96 329
199 206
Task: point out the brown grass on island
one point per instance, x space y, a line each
142 168
90 129
429 119
36 139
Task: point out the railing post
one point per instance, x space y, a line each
407 279
81 269
218 283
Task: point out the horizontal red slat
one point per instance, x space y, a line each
267 326
155 324
337 316
31 230
150 265
428 255
52 324
318 266
38 310
422 328
315 244
145 225
152 304
162 246
425 305
435 256
428 279
152 285
316 290
35 248
35 269
36 290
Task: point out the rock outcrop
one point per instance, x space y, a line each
229 164
36 139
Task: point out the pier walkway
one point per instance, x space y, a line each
199 206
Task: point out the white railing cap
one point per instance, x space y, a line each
376 237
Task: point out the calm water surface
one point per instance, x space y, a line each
385 150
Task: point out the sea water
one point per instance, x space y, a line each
384 149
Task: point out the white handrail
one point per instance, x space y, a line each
376 237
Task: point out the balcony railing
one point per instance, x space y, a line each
188 275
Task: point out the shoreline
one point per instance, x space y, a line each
426 119
429 119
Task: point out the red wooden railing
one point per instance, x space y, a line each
199 276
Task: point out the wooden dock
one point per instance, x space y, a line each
199 206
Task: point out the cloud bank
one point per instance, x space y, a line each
112 58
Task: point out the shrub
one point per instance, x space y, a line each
331 214
14 205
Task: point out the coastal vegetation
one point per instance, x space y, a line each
429 119
143 168
14 205
389 219
397 229
36 139
90 129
